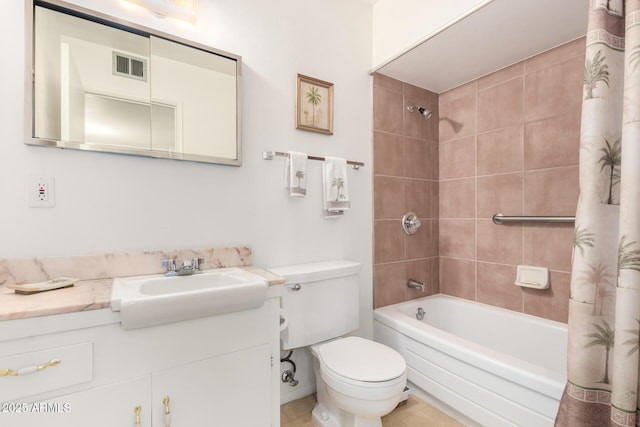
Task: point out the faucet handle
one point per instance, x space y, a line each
170 265
195 263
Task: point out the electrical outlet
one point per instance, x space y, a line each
42 192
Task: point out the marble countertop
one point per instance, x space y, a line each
84 295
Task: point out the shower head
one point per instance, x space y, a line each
425 113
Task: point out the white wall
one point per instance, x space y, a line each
399 25
119 203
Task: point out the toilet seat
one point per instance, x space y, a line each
359 361
360 369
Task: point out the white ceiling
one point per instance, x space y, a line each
499 34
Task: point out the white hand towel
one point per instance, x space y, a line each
335 189
294 174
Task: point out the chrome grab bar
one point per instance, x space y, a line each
500 219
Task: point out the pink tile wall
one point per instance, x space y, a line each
405 157
509 143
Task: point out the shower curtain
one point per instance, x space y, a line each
604 306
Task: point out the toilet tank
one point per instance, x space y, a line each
320 301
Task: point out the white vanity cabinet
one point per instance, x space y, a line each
103 406
216 371
240 396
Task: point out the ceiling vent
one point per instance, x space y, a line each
129 66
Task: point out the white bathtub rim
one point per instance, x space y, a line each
527 374
534 319
502 365
389 314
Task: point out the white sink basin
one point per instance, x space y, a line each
153 300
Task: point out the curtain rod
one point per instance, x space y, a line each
268 155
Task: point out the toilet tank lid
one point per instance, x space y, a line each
311 272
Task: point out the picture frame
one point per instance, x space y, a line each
314 105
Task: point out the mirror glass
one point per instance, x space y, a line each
101 85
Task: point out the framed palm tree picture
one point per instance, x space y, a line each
314 105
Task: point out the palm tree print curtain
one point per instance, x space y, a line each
604 308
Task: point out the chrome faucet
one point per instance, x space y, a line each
414 284
170 265
187 268
195 263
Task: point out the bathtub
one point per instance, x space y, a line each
494 366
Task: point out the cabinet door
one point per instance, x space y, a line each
233 389
107 406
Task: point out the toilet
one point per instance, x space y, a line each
357 380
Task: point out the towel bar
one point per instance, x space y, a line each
500 219
268 155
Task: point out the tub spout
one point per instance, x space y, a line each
414 284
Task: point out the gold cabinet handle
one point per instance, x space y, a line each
167 412
29 369
137 410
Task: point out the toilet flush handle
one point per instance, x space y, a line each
295 287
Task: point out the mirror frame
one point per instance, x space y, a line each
81 12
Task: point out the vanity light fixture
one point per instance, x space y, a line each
185 10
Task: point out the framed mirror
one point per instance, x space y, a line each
98 83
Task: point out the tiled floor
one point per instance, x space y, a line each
414 413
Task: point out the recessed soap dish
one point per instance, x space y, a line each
532 277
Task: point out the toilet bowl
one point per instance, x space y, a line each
357 381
